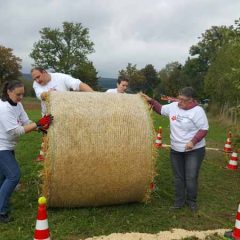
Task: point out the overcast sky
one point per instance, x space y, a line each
124 31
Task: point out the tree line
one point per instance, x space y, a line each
212 68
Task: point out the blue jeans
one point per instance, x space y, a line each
10 175
186 166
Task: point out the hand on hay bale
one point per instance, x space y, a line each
44 123
146 97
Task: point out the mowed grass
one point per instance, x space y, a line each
218 196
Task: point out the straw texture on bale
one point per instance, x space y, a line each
100 149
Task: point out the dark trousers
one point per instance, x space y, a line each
186 166
9 176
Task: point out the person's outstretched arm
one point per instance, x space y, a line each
85 88
157 107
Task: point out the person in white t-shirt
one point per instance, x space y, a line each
122 85
45 82
14 122
188 127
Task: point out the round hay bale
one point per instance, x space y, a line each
100 150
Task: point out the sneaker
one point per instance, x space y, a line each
228 235
4 218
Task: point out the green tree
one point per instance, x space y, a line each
87 73
204 53
152 79
192 74
170 79
211 41
65 51
223 77
137 80
10 65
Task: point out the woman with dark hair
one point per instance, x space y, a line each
188 127
13 123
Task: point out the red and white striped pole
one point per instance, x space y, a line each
158 142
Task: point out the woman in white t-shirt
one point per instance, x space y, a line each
13 123
188 127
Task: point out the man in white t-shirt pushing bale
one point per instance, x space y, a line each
45 82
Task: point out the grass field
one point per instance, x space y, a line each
218 196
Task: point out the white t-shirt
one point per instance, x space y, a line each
59 82
184 124
114 90
11 117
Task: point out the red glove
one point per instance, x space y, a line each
45 122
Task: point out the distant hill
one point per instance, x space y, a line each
104 83
107 83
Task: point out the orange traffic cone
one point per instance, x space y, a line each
42 231
233 161
158 142
235 233
228 146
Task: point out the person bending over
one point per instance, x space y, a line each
45 82
14 122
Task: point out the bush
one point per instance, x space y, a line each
29 91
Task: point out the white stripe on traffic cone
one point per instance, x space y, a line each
233 161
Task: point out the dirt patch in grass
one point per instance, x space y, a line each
31 106
164 235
